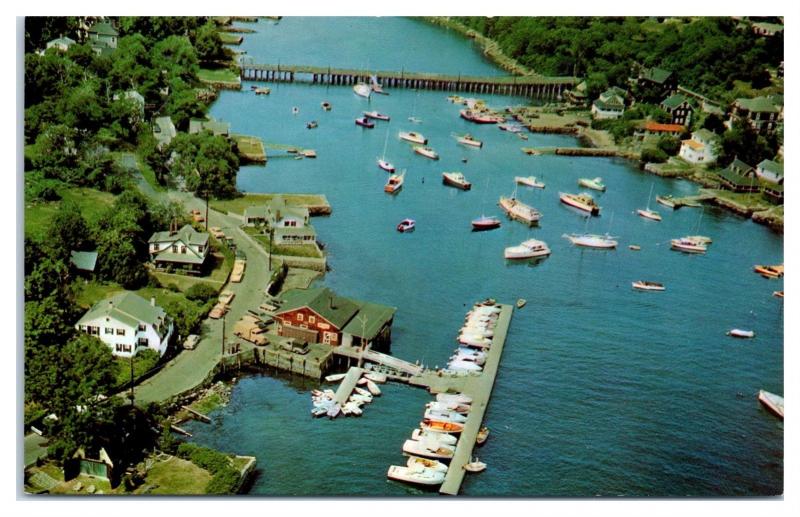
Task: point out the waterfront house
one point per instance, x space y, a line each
657 80
128 323
762 113
183 249
774 193
81 464
770 171
164 131
655 128
767 29
702 148
288 224
577 95
610 104
738 177
679 109
321 316
103 34
62 44
218 128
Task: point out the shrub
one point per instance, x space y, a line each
669 144
653 155
224 482
205 458
201 292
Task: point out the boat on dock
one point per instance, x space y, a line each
742 334
427 152
334 411
454 397
362 90
456 179
688 246
475 341
448 406
582 201
443 438
416 461
406 225
484 223
336 377
528 249
376 115
395 183
528 181
468 139
428 449
517 210
413 137
769 271
416 475
365 122
588 240
480 118
594 184
441 427
772 402
456 365
643 285
666 201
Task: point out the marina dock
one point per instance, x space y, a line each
347 385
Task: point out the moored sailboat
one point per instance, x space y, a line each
587 240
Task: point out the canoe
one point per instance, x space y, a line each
772 402
416 475
423 435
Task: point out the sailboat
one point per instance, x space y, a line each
516 209
382 163
412 118
483 222
647 213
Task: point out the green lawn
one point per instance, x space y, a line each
91 202
297 250
177 476
207 404
89 293
238 204
753 201
230 38
218 74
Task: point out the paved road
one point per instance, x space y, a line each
191 367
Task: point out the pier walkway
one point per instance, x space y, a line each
347 385
372 356
537 86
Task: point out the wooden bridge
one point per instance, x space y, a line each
535 86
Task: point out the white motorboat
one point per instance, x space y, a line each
475 466
427 152
744 334
649 214
428 449
418 461
454 397
643 285
468 140
376 115
772 402
362 90
373 388
476 341
516 209
457 180
594 184
528 249
448 406
528 181
445 416
477 330
380 378
464 366
416 475
334 411
688 245
443 438
335 377
580 201
412 136
592 241
480 361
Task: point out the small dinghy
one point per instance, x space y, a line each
373 388
475 466
380 378
483 435
744 334
428 449
335 377
521 303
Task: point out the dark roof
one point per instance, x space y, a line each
370 320
736 179
83 260
655 74
737 166
673 101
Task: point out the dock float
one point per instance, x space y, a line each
347 385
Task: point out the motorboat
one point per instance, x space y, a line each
592 241
649 214
427 152
582 201
454 397
365 122
769 271
475 466
373 388
528 181
417 461
477 342
666 201
428 449
772 402
477 329
516 209
380 378
743 334
777 294
395 183
464 366
406 225
311 124
438 426
335 377
411 136
445 415
443 438
416 475
521 303
634 247
483 435
376 115
383 164
530 248
353 409
326 106
456 179
688 246
468 139
362 90
361 382
334 411
594 184
485 223
511 128
643 285
262 91
480 118
448 406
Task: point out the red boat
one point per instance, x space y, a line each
365 122
480 118
485 223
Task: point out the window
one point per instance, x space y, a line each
95 331
312 319
299 316
174 248
109 330
142 327
142 342
120 332
200 249
183 249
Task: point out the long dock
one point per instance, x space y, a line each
537 86
347 385
479 387
376 357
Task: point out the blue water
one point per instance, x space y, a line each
601 390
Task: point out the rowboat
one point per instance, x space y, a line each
395 183
594 184
334 411
643 285
456 179
581 201
416 475
435 465
475 466
376 115
649 214
666 201
479 118
376 377
412 136
516 209
468 139
772 402
427 152
362 90
363 392
423 435
528 181
454 397
373 388
335 377
769 271
777 294
428 449
528 249
441 427
483 435
743 334
592 241
521 303
365 122
353 408
406 225
485 223
688 246
326 106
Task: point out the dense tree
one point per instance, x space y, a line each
744 143
68 231
208 43
207 163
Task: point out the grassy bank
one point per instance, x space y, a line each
239 204
92 204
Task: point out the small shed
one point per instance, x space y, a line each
83 260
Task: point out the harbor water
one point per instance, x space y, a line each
601 390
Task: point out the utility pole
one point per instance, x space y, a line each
206 210
271 236
131 379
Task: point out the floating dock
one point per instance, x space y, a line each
347 385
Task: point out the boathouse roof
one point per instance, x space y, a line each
346 314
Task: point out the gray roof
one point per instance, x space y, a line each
67 42
187 234
215 126
83 260
126 307
771 166
103 29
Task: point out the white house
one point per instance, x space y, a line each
128 323
184 248
289 224
63 43
610 104
164 131
771 171
702 148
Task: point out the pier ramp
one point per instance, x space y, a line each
347 385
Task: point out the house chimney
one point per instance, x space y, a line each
153 301
330 301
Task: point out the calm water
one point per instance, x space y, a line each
601 390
